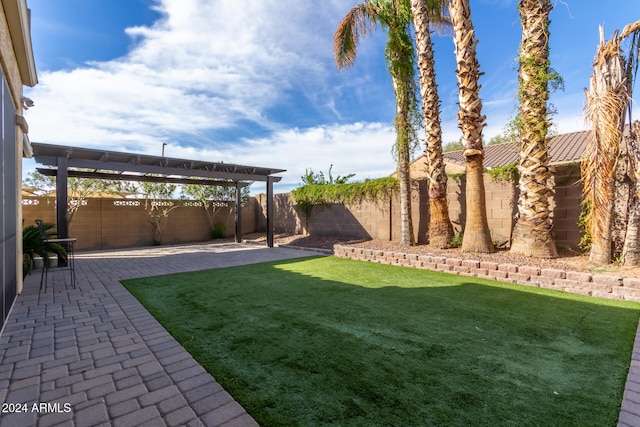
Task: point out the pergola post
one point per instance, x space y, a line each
238 212
62 199
269 211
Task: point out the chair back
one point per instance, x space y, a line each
42 229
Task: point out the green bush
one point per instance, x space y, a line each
218 231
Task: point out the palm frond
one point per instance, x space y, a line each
355 26
32 246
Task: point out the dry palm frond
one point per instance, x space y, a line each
607 100
630 29
354 26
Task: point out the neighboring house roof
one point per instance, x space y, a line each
29 191
565 148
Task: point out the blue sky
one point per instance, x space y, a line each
253 81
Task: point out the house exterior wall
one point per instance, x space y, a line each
12 137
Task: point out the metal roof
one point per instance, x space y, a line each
92 163
565 148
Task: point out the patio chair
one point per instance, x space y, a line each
45 243
59 247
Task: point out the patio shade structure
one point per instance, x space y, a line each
66 161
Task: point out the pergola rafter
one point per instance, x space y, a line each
96 174
66 161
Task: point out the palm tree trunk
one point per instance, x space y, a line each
440 228
477 237
403 153
532 234
607 100
631 249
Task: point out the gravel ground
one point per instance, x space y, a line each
567 260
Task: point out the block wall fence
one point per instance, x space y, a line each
380 219
111 223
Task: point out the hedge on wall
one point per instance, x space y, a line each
311 195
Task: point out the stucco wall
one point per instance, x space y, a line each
9 62
11 73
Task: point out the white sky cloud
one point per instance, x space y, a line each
254 82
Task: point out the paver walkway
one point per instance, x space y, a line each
93 356
630 408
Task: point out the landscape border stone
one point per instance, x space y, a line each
597 285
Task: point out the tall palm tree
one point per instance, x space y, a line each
476 232
532 234
395 18
607 102
425 14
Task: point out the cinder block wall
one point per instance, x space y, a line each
567 209
380 219
368 219
120 223
117 223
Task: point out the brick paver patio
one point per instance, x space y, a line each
93 356
630 409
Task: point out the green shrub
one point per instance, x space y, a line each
218 231
456 241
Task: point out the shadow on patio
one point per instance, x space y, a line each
94 356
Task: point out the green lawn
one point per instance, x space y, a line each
328 341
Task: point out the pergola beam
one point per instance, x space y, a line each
158 168
72 173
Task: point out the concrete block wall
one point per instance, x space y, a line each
380 219
368 219
119 223
502 205
596 285
567 209
107 223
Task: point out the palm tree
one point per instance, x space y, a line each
476 232
532 234
440 228
395 18
607 102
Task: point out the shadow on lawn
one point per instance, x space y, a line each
328 341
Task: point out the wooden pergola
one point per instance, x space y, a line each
65 161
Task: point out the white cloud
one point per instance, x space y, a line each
210 68
361 148
254 82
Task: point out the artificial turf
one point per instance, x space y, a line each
328 341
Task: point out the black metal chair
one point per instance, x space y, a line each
45 242
67 244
